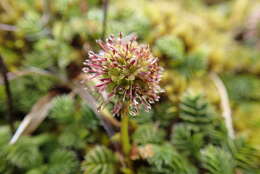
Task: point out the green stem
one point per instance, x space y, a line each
124 133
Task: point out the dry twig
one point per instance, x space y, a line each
38 113
226 110
9 100
7 27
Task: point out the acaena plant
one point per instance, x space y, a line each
129 73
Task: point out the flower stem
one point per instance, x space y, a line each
124 133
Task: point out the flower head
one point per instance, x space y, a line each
127 71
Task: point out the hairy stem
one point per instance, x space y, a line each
124 133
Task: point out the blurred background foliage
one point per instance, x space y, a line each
44 42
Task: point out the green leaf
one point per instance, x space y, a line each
167 161
63 160
194 109
246 156
171 46
148 134
24 154
99 160
63 109
217 161
187 139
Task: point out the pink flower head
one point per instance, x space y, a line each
127 71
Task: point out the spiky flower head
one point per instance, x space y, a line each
127 71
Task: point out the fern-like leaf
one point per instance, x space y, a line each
63 109
63 160
148 134
193 64
217 161
99 160
171 46
24 154
245 155
167 161
187 139
194 109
